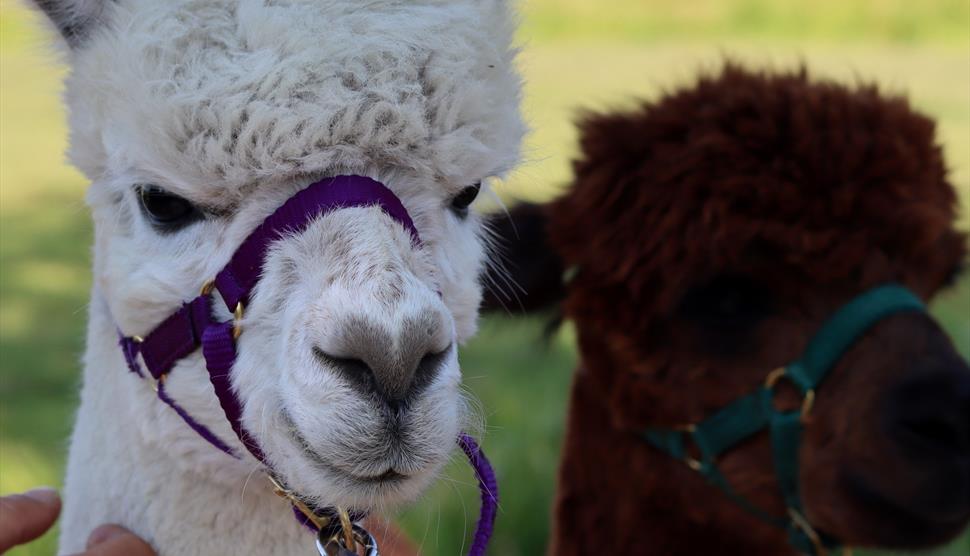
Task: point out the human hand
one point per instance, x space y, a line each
115 540
24 517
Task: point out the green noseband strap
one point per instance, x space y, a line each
754 412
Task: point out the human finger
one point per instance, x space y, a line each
24 517
115 540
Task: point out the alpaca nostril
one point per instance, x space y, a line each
931 413
428 368
355 371
935 432
942 435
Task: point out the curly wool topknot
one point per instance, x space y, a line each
240 92
748 167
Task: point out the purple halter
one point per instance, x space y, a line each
193 326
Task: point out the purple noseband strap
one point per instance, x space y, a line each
193 325
236 281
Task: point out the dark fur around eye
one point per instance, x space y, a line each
166 212
726 303
461 202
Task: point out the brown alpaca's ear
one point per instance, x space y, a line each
74 18
525 274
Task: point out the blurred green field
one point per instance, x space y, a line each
578 53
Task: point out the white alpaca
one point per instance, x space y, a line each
233 106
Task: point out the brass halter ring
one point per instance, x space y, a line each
207 287
237 318
808 400
237 315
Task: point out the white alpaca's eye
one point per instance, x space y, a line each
461 202
166 211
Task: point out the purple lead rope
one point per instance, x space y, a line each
488 485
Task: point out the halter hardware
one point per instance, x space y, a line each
756 411
237 315
808 397
346 527
337 544
688 430
801 523
208 287
318 521
193 326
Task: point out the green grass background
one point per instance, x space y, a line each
578 53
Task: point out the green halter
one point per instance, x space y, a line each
756 411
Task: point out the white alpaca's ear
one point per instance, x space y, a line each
73 18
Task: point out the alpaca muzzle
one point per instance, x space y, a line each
193 326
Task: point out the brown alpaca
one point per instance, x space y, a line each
712 232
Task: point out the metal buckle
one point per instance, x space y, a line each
808 399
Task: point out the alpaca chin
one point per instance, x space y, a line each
357 455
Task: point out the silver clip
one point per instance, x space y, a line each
332 543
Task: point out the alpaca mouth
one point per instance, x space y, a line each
388 477
391 477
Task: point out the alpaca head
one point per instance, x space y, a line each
720 226
195 119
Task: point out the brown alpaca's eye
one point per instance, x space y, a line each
166 211
461 202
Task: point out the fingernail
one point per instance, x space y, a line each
45 495
103 534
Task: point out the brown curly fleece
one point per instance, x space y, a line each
713 231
